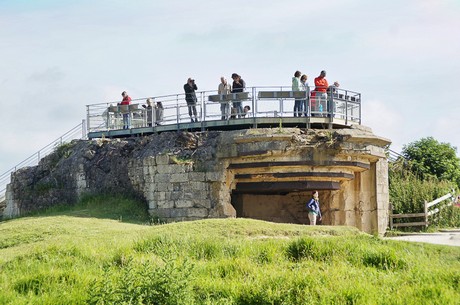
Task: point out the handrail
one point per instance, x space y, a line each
32 160
393 156
342 104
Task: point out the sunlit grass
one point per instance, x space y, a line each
63 259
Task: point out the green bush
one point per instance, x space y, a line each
409 193
148 282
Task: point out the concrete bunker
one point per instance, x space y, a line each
271 177
278 191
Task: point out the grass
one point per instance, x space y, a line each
83 257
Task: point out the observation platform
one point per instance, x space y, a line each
269 107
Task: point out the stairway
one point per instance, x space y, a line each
77 132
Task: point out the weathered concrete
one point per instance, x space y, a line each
259 173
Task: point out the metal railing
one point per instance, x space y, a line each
340 105
394 156
78 131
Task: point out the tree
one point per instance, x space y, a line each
429 158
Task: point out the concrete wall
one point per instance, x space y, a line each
259 173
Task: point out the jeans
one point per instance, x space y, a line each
126 120
298 108
239 108
225 109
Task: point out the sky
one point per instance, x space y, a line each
57 56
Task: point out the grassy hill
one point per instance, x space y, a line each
75 256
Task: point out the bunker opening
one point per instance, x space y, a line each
281 202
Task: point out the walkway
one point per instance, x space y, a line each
449 238
270 107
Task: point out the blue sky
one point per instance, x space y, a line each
58 56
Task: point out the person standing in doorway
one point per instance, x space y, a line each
224 88
314 212
190 98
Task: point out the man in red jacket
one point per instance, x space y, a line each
126 116
320 97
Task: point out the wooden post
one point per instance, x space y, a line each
425 210
391 216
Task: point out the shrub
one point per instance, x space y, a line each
144 283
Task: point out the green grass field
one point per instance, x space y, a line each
78 256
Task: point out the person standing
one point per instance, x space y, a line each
224 88
149 111
126 115
238 86
314 212
331 93
190 98
306 88
297 86
321 86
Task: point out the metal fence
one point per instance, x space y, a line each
269 101
78 132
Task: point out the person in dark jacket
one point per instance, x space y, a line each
190 98
148 111
314 211
238 86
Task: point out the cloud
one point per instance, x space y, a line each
446 128
384 120
53 74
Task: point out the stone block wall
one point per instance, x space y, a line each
187 176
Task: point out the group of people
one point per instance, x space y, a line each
235 108
227 110
318 98
154 112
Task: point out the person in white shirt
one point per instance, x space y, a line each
224 88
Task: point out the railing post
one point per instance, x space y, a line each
391 216
346 107
177 111
254 107
87 118
202 111
359 108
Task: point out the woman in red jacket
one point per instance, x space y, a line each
126 116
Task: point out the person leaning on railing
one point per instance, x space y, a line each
331 93
238 86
